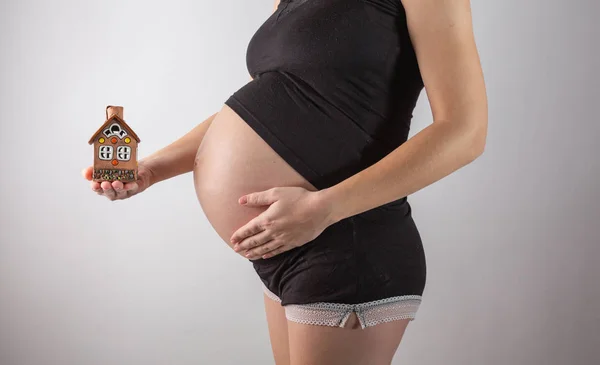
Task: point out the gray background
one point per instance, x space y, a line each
511 240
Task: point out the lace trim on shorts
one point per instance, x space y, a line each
270 294
336 314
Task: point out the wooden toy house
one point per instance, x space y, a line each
115 148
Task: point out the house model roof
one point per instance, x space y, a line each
110 120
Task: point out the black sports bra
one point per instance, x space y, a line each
335 84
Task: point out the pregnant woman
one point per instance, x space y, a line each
306 169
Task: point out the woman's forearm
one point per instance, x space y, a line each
178 157
430 155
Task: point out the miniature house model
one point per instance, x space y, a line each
115 148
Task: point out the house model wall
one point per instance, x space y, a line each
115 148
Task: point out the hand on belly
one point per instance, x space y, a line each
294 217
233 161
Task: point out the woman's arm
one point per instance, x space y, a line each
178 157
175 159
442 35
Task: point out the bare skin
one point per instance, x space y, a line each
342 346
442 35
298 344
278 331
250 164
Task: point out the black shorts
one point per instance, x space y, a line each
371 256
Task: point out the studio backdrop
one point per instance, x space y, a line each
512 240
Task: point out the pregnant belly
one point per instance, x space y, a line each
234 160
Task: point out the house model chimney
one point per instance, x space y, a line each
114 110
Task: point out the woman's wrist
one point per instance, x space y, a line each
149 172
160 167
329 199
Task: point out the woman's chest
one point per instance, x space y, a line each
326 34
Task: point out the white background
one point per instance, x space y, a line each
512 240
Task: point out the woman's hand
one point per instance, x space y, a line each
295 217
117 190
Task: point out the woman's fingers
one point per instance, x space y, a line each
109 192
253 240
131 187
113 190
117 185
96 187
120 192
276 251
87 173
255 226
268 247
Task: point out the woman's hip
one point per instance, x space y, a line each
369 256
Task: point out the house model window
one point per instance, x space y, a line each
105 153
123 153
115 130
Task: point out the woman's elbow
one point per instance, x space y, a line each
473 136
477 139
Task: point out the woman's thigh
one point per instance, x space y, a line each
349 345
278 330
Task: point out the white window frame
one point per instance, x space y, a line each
127 152
110 153
108 131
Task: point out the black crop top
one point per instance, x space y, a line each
335 84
